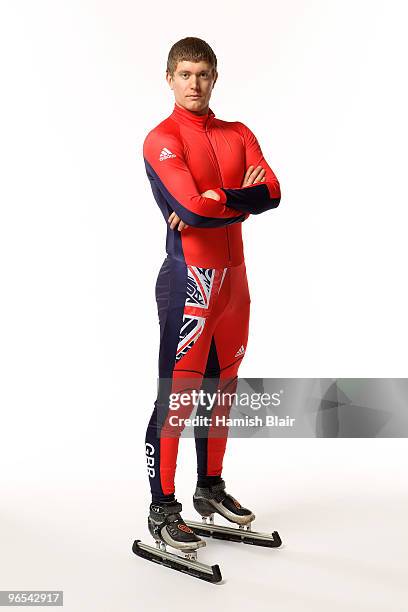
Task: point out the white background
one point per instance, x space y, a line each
322 84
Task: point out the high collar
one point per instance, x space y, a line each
185 117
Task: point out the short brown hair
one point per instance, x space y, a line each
190 49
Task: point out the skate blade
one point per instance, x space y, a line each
235 534
209 573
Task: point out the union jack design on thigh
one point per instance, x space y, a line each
199 285
203 284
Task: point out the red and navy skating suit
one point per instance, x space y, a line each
201 291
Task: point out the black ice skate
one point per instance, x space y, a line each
168 528
208 500
214 499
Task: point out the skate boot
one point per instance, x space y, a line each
214 499
166 526
208 500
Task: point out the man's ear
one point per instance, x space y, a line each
215 77
169 79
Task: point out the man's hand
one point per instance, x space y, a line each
175 220
253 176
210 194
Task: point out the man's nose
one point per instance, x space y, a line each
194 82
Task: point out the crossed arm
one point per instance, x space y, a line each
173 183
252 176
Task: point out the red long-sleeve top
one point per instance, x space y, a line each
187 154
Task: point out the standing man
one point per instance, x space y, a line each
207 176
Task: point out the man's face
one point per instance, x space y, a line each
192 84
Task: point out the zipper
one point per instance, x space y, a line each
220 179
